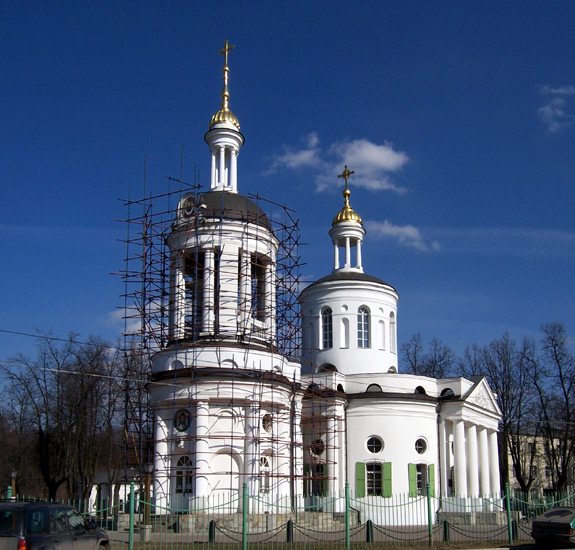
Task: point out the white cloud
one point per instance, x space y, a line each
562 90
504 241
555 114
406 235
371 162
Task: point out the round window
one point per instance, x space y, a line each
374 445
267 422
421 446
317 447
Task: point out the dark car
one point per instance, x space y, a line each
48 526
556 527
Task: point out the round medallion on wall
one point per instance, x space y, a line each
182 420
317 447
267 423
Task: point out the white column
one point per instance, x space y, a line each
202 449
494 463
245 290
270 300
234 171
336 256
222 171
472 461
179 304
459 461
484 466
443 454
358 246
347 252
208 302
214 177
161 463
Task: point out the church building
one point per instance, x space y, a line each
230 409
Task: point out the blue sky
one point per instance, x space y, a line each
457 117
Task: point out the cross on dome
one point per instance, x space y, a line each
224 114
347 214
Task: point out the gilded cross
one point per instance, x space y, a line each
345 174
227 49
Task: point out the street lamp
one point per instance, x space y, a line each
148 469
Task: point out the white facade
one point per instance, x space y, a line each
230 410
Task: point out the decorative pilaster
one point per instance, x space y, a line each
202 449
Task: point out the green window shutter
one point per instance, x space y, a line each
359 479
386 480
412 469
431 477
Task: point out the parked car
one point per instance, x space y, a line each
556 527
48 526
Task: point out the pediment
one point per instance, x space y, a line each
481 396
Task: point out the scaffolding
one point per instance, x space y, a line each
148 330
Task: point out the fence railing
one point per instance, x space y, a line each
336 522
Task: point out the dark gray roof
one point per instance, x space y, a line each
350 276
231 206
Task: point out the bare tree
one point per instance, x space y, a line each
69 398
507 371
553 377
436 363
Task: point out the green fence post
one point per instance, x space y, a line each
131 523
347 514
244 516
289 531
508 507
429 516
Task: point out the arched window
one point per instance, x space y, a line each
344 334
265 474
326 328
381 334
362 327
392 333
373 388
184 475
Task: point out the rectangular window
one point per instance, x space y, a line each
373 479
194 281
419 476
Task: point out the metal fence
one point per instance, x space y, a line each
333 522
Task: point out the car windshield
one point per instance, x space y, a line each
8 523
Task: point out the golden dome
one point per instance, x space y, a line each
224 115
347 213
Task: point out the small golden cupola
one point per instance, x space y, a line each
347 213
224 115
347 233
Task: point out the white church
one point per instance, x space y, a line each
230 410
